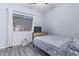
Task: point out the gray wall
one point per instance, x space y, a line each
63 20
17 37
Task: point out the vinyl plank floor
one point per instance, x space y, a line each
20 51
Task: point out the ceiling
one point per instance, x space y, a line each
41 6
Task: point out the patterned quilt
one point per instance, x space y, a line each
70 48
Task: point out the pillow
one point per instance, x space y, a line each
74 45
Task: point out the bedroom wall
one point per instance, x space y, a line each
63 20
17 37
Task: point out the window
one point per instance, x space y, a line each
22 23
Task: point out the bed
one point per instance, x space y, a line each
56 45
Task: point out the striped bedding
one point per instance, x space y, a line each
56 46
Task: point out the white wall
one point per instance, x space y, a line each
16 37
63 20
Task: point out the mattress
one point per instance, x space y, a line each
53 40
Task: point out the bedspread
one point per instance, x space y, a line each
69 48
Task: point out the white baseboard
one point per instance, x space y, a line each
8 46
11 46
4 47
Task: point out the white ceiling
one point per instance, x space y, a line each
41 6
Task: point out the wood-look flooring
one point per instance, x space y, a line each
21 51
